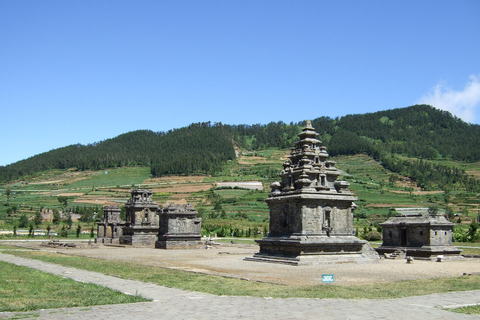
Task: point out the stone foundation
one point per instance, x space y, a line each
139 239
317 250
425 252
179 243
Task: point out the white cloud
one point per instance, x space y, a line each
462 104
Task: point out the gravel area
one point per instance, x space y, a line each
228 260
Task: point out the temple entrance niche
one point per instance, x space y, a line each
311 213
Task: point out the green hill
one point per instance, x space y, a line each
199 147
402 140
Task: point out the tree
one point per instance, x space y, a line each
48 230
63 201
472 235
218 205
433 210
8 192
79 229
63 232
56 216
92 233
450 213
69 221
38 218
223 215
23 221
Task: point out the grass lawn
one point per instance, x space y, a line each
114 177
25 289
468 310
235 287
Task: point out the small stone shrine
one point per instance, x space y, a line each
179 228
418 234
111 228
141 227
311 213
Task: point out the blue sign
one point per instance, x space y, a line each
328 278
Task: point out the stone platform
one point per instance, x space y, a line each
314 250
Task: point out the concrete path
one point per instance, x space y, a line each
178 304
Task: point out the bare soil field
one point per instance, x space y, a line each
97 200
184 188
228 260
251 160
387 205
77 194
473 173
174 179
417 192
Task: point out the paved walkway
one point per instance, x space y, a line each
178 304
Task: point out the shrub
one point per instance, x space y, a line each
63 232
373 236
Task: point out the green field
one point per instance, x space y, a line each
237 207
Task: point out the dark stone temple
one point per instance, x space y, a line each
419 234
142 225
150 225
311 213
179 228
111 228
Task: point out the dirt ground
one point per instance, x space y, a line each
97 200
174 179
185 188
228 260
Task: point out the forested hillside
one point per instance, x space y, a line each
418 131
421 132
199 147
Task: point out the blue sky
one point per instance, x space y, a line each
84 71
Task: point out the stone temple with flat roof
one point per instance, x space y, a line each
179 228
311 213
418 233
